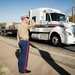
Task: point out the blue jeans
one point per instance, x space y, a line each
23 60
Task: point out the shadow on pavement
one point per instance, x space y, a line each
46 56
63 46
17 53
69 47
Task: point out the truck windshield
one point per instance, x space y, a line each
58 17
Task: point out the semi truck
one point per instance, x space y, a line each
8 28
51 25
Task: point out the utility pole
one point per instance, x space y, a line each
72 14
74 10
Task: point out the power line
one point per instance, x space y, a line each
44 3
68 9
63 2
58 3
55 3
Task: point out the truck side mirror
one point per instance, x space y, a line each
67 19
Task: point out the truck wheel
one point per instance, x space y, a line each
5 33
2 33
55 39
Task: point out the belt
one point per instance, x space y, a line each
23 39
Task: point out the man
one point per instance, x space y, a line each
22 36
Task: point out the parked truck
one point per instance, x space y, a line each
8 28
51 25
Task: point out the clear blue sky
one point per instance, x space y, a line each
12 10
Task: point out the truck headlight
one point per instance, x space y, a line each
68 33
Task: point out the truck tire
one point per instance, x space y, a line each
55 39
2 34
5 33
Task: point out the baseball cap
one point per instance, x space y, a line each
25 16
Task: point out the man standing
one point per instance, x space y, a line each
23 36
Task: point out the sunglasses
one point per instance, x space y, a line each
27 17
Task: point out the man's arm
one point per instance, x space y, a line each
32 24
18 36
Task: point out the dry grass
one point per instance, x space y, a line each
4 70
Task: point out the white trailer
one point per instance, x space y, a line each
52 25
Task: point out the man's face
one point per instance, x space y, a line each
26 19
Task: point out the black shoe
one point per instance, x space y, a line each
27 71
21 72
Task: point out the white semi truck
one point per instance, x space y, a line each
52 25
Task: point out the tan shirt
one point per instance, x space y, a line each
22 33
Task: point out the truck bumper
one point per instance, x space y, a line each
67 39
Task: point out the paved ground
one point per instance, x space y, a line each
38 64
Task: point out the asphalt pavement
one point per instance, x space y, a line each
41 62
